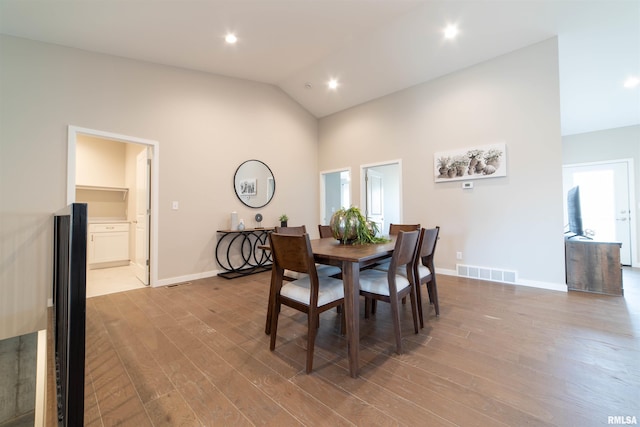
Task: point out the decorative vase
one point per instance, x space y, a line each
283 223
234 220
343 227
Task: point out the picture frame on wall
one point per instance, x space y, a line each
486 161
248 187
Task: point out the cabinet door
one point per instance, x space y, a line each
106 247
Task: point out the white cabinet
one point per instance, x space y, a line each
108 242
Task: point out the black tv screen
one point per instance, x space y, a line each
574 211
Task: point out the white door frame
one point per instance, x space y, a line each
363 184
635 259
73 132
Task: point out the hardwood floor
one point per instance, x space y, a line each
196 354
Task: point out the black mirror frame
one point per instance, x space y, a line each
241 197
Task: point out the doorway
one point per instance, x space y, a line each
381 193
139 199
335 193
606 196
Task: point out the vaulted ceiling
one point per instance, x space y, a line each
371 47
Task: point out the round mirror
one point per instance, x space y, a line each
254 183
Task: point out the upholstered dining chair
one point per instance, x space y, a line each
325 231
384 265
389 286
311 294
423 269
323 270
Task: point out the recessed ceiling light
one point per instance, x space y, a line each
451 31
631 82
333 84
230 38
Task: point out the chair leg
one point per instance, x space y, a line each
343 321
395 316
414 308
312 320
367 307
374 305
434 292
267 326
419 302
275 313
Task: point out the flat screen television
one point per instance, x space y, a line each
574 213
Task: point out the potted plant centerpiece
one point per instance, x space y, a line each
351 227
283 220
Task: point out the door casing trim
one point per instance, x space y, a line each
72 137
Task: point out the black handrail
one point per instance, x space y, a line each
69 302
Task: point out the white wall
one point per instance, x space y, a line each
100 162
512 223
610 144
205 125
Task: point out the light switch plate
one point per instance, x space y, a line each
467 184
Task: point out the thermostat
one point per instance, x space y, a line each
467 184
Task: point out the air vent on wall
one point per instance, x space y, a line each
486 273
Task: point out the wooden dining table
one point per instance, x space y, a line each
350 258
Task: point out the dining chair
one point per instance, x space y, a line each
311 294
389 286
325 231
323 270
423 269
394 229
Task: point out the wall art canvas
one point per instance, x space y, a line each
487 161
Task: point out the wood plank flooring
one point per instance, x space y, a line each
498 355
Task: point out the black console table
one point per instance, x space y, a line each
238 252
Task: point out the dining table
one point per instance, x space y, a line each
351 258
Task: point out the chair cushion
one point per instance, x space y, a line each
383 266
323 270
375 282
294 274
300 290
327 270
422 270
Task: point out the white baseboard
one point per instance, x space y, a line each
186 278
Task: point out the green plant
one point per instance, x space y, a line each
283 218
350 226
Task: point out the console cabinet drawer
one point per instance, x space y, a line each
108 243
108 228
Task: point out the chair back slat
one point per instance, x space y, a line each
404 251
429 242
325 231
296 231
292 252
394 229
